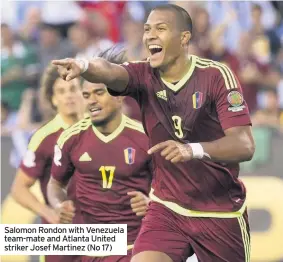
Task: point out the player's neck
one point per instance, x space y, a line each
109 127
176 70
70 119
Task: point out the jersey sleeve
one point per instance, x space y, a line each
62 166
136 85
35 159
228 97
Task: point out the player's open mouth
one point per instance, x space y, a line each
94 111
154 49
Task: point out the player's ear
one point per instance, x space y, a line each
185 38
54 101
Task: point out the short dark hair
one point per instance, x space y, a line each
184 19
47 82
116 54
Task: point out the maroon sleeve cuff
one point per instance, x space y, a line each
31 172
243 120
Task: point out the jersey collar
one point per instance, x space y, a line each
185 78
60 122
113 135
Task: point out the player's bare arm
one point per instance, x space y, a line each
21 193
57 196
139 202
97 70
236 146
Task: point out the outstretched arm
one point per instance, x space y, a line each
97 70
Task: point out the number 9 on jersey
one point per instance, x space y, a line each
178 126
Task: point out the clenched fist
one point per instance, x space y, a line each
139 202
66 212
50 215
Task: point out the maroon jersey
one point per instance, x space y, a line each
132 108
198 108
38 159
106 168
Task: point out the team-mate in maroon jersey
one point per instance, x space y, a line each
107 153
199 128
66 97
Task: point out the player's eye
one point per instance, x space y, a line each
100 92
146 29
85 95
161 29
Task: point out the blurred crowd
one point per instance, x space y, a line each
247 36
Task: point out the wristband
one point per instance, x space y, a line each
84 63
198 151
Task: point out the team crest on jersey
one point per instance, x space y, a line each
129 154
236 101
197 98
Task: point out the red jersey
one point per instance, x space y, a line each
106 168
38 159
198 108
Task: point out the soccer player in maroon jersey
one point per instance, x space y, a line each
107 153
67 99
199 129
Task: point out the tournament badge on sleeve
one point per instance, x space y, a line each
236 101
129 154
